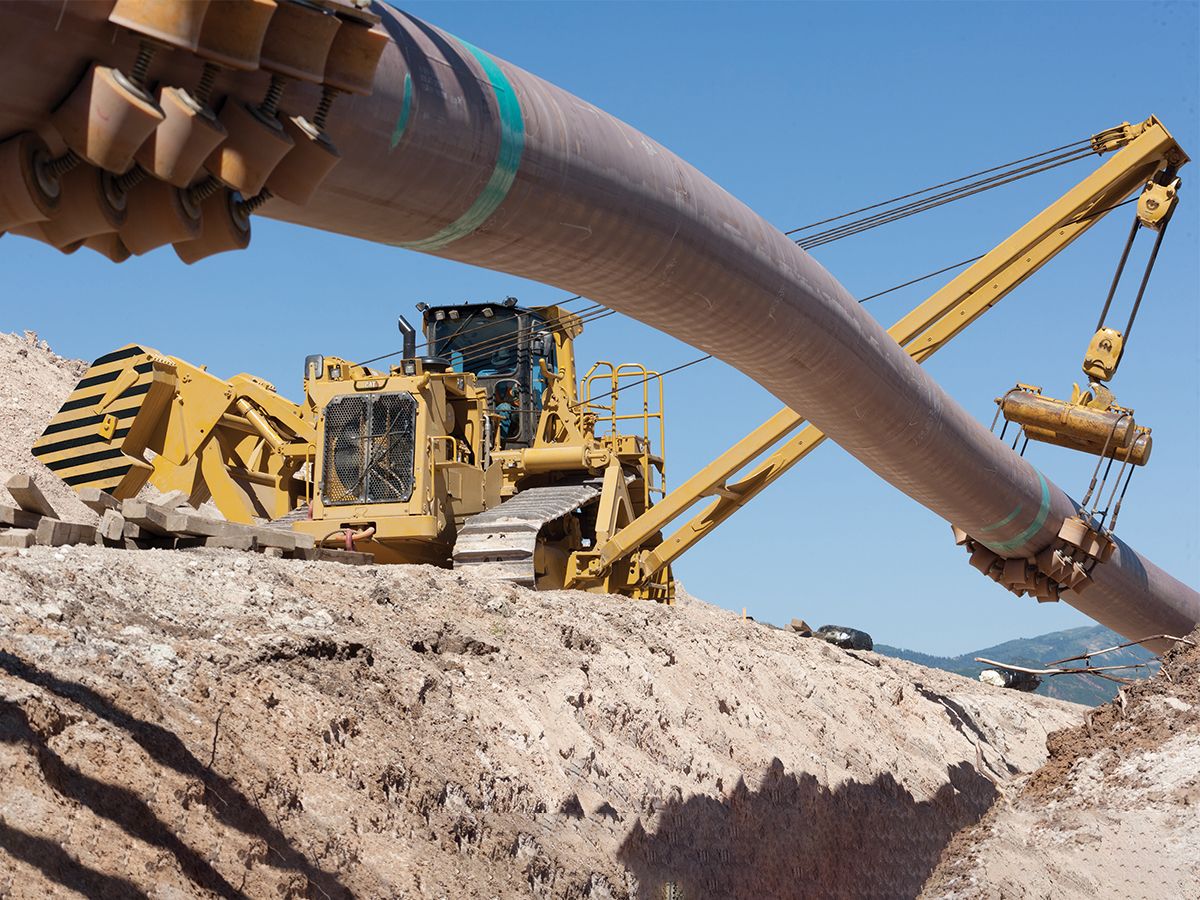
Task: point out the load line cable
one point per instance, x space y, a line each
591 314
927 203
650 377
924 205
958 265
934 187
1005 174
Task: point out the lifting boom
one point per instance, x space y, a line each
1142 152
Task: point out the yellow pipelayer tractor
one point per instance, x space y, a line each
491 453
412 464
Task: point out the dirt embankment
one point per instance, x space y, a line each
1115 812
209 723
34 382
224 723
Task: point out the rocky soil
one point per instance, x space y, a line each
196 723
34 382
1114 813
209 723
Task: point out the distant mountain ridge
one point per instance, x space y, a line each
1037 651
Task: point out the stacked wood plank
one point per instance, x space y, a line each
166 523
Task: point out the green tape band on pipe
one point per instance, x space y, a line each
1038 521
508 158
1012 515
405 111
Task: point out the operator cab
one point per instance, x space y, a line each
503 345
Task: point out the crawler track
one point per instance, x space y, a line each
500 542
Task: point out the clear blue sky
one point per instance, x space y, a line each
802 111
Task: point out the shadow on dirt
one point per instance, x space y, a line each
794 838
58 866
225 801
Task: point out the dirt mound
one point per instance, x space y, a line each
191 724
34 382
215 721
1112 813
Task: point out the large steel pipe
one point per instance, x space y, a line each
465 156
462 155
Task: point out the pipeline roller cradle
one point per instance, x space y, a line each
122 165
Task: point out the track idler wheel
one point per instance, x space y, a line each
28 191
188 134
91 204
107 118
311 158
157 214
225 225
177 23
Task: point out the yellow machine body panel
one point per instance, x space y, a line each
402 460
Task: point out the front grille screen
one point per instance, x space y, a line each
370 446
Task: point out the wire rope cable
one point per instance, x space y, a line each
935 187
967 186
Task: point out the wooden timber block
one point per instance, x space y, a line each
17 537
197 525
112 526
231 541
146 516
29 496
56 533
98 501
275 537
170 501
18 518
137 538
801 627
320 554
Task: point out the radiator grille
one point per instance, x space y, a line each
370 446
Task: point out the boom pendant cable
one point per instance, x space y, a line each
927 203
935 187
